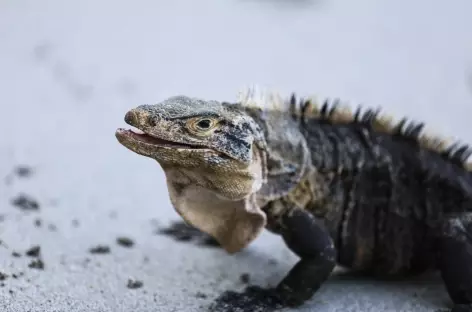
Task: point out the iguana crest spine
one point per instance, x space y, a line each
337 112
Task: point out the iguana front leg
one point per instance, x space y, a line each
455 260
309 239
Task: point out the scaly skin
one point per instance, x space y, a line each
340 188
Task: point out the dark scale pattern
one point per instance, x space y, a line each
395 191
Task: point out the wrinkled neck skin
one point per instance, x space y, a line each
221 204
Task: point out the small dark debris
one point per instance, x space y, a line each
38 222
3 276
184 232
125 241
25 202
36 264
210 242
2 284
23 171
15 276
100 249
33 251
245 278
11 292
16 254
134 284
146 259
252 299
52 227
75 223
201 295
179 230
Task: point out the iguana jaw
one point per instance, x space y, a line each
132 139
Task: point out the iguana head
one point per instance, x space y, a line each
213 156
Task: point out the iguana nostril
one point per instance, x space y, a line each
130 117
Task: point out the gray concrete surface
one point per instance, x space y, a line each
70 69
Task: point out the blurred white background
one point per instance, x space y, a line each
69 70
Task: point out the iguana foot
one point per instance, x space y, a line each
462 308
252 299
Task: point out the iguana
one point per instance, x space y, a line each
355 189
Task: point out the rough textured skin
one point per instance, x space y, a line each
354 189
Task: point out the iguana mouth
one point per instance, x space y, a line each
140 136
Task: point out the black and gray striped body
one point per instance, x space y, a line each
387 196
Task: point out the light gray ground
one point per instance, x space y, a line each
70 69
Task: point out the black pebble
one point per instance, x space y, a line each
134 284
125 241
36 264
23 171
33 251
25 202
100 249
3 276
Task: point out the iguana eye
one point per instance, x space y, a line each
202 126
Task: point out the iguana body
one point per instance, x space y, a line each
340 188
